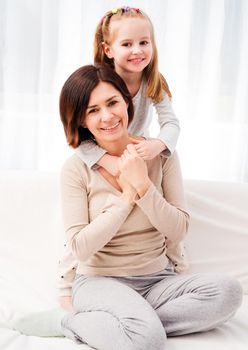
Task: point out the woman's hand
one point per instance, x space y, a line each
148 149
66 303
128 192
134 170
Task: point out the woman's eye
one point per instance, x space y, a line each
112 103
94 110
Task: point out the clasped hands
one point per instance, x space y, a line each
133 174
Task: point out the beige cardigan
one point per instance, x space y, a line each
108 236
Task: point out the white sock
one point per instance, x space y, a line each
41 324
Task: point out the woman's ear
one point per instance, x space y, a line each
107 50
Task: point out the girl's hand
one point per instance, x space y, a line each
134 170
66 303
148 149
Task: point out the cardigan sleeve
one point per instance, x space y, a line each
86 237
166 211
66 273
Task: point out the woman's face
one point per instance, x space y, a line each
106 115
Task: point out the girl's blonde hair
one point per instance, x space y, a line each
156 83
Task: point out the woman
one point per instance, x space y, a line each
125 234
127 294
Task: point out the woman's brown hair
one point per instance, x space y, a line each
75 96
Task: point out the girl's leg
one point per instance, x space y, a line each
194 303
109 315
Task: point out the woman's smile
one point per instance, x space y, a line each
112 128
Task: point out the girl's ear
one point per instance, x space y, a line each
107 50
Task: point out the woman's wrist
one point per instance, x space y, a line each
130 198
143 188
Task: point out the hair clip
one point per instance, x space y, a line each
126 8
123 9
109 14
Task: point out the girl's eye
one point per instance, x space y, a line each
127 44
144 42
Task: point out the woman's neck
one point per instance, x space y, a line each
115 148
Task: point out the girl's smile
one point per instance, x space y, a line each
136 60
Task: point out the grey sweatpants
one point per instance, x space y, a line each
136 313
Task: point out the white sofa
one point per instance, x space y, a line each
31 235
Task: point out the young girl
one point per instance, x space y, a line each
124 40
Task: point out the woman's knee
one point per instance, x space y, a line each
150 335
230 294
156 336
98 307
223 293
105 331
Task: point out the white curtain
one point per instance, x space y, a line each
203 53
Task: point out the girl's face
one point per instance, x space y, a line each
130 44
106 115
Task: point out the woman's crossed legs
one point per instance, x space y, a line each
134 313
